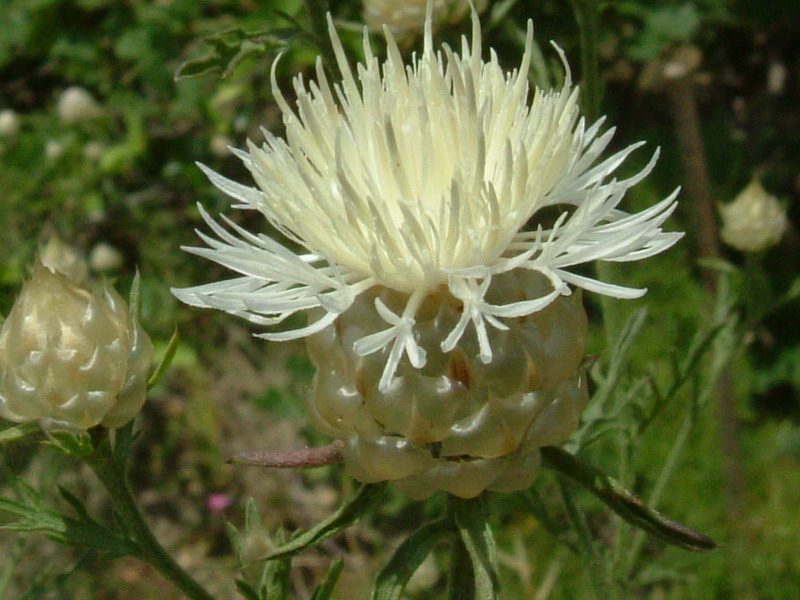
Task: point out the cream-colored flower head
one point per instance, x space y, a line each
421 177
755 219
71 359
406 19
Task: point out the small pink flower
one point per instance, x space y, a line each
218 502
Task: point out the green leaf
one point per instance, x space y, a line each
472 520
348 514
78 532
166 361
229 48
325 588
135 296
76 444
393 578
275 576
624 503
13 434
246 590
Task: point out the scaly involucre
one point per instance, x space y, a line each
421 176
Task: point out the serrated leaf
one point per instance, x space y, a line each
624 503
472 519
66 530
325 588
348 514
393 578
17 432
166 361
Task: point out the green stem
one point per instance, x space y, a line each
461 580
586 17
112 476
317 14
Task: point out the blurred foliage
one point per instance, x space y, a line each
127 177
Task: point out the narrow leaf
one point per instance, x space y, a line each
246 590
472 519
348 514
624 503
325 588
135 297
20 431
393 578
166 361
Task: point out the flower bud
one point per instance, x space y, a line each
71 359
76 105
754 220
406 19
59 256
9 123
456 424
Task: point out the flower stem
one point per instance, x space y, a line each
112 475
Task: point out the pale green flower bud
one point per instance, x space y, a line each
456 424
754 220
71 359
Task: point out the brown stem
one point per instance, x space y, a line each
307 458
690 144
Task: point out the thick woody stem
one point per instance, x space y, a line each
307 458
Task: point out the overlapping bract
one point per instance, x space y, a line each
71 359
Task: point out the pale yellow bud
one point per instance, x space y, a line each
9 123
754 220
406 19
76 104
71 359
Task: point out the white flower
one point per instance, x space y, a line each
418 178
9 123
76 104
754 220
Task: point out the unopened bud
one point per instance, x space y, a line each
407 19
59 256
69 358
9 123
76 105
754 220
